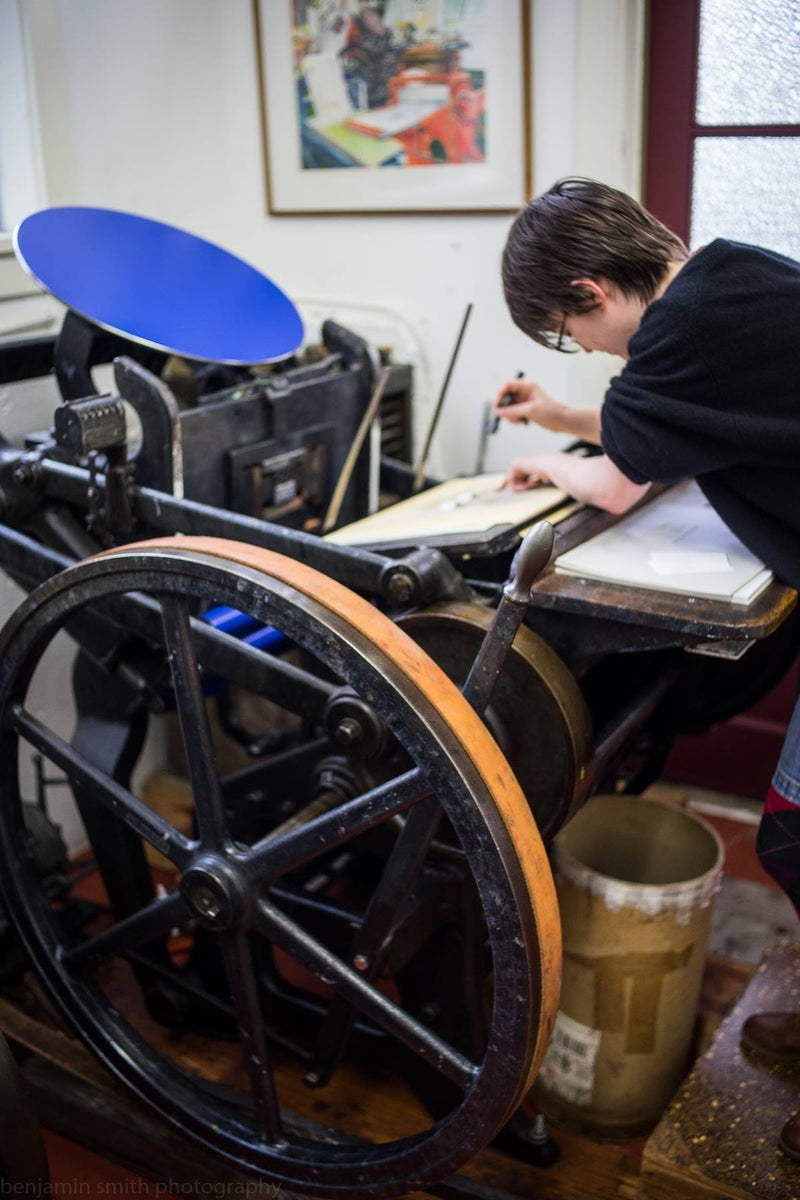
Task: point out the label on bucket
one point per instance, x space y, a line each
568 1067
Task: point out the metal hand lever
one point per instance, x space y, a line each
534 555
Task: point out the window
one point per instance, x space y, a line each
21 187
24 309
723 127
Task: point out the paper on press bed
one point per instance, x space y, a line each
464 505
677 543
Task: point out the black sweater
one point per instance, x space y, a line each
712 390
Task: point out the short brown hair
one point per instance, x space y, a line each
581 229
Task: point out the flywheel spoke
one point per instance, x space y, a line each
222 654
380 920
105 790
245 995
200 757
271 858
155 920
359 992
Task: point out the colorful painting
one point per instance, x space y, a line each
403 105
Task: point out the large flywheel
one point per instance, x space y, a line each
417 840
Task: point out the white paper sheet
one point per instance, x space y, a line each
677 543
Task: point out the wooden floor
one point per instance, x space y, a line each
106 1118
718 1135
586 1168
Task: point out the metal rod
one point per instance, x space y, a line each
611 740
343 482
419 477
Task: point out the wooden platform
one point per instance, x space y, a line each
717 1140
77 1098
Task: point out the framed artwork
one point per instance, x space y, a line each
403 106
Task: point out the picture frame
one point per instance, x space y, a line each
413 106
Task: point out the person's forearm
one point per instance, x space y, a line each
594 480
582 423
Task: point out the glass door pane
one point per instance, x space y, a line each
749 62
747 189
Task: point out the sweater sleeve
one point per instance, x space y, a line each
655 439
664 417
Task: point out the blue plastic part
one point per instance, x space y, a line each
229 620
267 638
158 285
245 628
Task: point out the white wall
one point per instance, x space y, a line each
153 107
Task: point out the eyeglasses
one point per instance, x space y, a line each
561 340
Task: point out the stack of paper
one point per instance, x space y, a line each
677 543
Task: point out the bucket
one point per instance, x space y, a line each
635 880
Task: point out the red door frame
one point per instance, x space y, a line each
673 40
738 756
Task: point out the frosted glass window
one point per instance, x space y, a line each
747 189
749 63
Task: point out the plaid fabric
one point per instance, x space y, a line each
778 843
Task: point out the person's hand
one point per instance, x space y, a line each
526 472
522 400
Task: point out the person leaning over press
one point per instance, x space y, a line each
710 389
